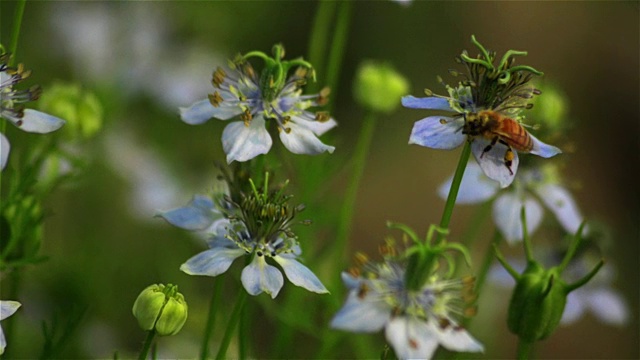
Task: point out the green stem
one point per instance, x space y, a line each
524 349
348 207
15 30
147 345
336 54
455 186
320 37
486 262
233 321
211 320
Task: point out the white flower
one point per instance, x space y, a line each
241 93
7 308
531 187
415 322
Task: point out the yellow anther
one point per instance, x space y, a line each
323 96
360 259
355 272
215 99
287 130
322 116
301 72
443 121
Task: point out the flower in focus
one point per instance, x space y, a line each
258 225
256 99
531 186
415 321
487 109
12 108
161 309
7 308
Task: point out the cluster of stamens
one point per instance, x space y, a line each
11 100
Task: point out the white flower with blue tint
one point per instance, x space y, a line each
259 99
416 322
485 109
7 308
532 188
12 108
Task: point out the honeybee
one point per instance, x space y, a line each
498 128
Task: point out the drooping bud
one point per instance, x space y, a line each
379 87
161 308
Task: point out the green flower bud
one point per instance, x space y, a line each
161 308
379 87
537 303
550 109
81 109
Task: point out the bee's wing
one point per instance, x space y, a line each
517 100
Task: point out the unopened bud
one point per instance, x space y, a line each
161 308
379 87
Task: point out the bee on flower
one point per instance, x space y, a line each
257 99
416 321
13 110
487 111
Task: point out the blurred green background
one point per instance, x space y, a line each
144 59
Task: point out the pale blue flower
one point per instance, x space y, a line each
12 108
415 322
532 187
238 94
7 308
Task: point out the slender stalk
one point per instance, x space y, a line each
487 261
348 207
455 186
524 349
211 320
15 30
233 321
319 38
147 345
336 54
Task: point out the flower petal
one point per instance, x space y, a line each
199 214
362 314
492 161
542 149
242 143
349 281
300 275
40 123
318 127
506 215
608 306
211 262
8 308
411 338
301 140
561 203
574 308
456 338
260 276
4 150
474 188
432 133
432 102
201 111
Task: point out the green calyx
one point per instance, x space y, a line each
274 74
161 308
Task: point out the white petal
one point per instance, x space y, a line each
300 275
475 187
542 149
456 339
561 203
492 161
430 132
38 122
3 341
506 215
318 127
366 314
349 281
242 143
260 276
433 103
201 111
303 141
8 308
574 307
608 306
199 214
212 262
4 150
411 338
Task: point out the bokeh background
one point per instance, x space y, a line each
144 59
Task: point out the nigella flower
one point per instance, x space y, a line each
531 188
415 321
486 111
7 308
12 108
257 99
258 226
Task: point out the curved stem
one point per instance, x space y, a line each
455 186
147 345
233 321
211 320
336 54
524 349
